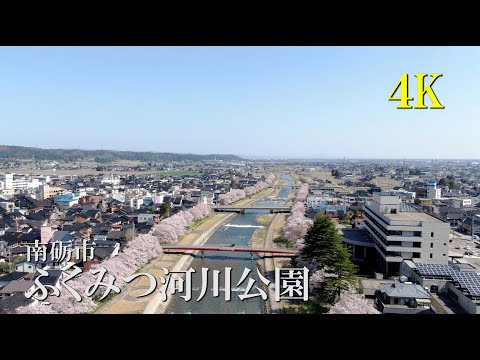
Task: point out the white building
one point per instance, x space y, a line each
458 280
34 183
81 192
65 201
7 205
460 202
402 233
432 191
111 180
135 203
8 181
22 183
148 218
409 196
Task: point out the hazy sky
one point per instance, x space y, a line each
276 101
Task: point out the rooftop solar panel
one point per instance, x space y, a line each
434 269
468 281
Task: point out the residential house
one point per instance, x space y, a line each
149 218
16 287
403 298
16 275
103 250
66 201
52 279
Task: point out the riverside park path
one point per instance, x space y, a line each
127 302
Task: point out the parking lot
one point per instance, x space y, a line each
462 243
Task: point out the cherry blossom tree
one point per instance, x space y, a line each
297 224
306 179
187 216
351 302
231 196
302 194
136 254
34 308
270 179
171 228
200 211
66 302
238 194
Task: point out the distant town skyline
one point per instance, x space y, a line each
278 102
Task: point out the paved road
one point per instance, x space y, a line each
270 267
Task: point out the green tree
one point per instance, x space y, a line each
346 219
6 267
319 246
324 246
165 209
443 182
452 185
356 213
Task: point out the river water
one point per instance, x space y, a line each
238 231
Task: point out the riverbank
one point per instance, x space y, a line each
155 304
274 239
258 237
127 303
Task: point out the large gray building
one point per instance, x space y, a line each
401 232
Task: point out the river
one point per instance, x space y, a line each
238 231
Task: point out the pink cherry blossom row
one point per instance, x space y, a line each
238 194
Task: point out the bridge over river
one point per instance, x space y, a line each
241 209
229 248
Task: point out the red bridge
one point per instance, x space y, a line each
229 248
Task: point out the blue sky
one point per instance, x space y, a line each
273 101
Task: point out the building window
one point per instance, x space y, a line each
417 233
444 255
431 245
431 234
431 256
444 244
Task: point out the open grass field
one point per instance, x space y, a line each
323 175
386 183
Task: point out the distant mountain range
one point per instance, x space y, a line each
102 156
